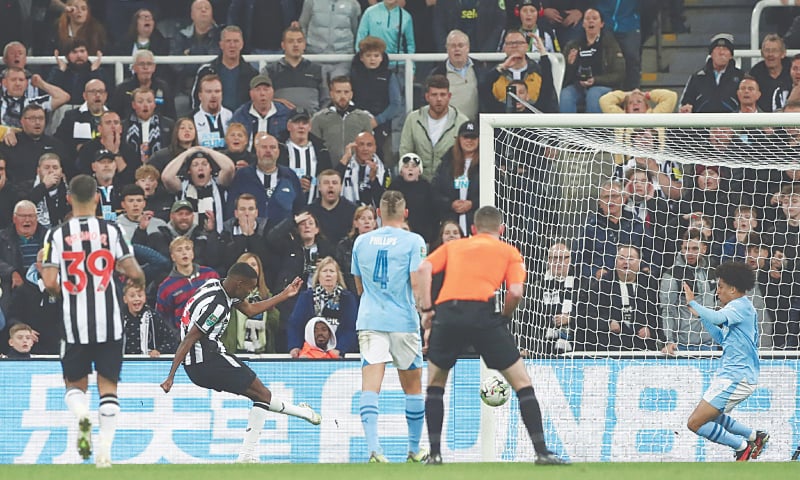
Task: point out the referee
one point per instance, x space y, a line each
474 268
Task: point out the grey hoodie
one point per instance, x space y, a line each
680 326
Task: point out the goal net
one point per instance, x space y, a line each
613 214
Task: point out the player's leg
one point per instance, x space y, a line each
374 347
498 349
758 438
263 402
371 380
260 394
406 350
529 408
445 343
710 421
108 363
434 409
76 366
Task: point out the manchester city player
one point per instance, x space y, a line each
385 263
735 327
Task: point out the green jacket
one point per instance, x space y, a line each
234 336
415 138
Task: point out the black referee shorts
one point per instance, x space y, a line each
221 372
77 360
459 324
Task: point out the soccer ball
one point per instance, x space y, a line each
495 391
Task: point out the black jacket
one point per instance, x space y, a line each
246 73
423 216
161 336
285 242
706 96
445 192
120 102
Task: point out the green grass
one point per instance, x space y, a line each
454 471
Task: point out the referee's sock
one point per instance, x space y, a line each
434 414
736 428
255 423
415 418
532 418
77 402
108 414
717 434
369 420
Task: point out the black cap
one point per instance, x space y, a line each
103 154
528 3
197 154
468 129
300 115
721 40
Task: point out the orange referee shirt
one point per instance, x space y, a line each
476 267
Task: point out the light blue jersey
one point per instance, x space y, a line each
384 259
735 327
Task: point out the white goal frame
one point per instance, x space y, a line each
489 122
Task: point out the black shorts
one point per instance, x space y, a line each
77 360
222 372
459 324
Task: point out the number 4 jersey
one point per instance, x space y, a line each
85 250
384 259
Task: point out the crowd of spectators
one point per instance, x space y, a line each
208 164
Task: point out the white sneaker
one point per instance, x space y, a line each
102 455
247 458
313 418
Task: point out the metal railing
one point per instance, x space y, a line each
122 62
755 19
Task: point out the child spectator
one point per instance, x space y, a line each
377 91
146 332
186 277
320 340
418 192
157 199
21 340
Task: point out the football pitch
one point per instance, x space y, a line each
454 471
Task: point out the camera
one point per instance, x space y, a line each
585 72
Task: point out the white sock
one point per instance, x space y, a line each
752 436
77 402
279 406
108 413
742 446
255 422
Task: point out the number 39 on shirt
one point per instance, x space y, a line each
99 264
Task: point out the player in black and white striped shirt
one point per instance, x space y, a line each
80 260
208 365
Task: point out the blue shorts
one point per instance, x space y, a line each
724 394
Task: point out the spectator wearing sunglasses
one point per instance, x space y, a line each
418 192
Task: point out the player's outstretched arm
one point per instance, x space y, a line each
187 343
252 309
50 280
130 267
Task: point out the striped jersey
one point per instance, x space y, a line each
209 310
85 250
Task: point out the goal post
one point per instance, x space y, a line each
727 184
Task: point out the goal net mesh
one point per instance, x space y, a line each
611 222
